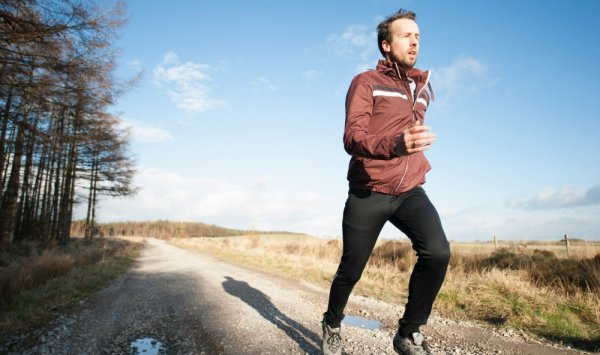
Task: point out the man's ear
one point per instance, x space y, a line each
385 45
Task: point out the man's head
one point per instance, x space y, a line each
398 38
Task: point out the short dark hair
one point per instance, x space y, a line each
383 29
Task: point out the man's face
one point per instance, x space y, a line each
404 46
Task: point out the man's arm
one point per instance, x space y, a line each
358 141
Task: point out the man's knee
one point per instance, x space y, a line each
438 256
442 256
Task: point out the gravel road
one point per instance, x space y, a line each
177 302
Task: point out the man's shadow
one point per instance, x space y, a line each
263 305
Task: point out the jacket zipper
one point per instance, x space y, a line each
414 100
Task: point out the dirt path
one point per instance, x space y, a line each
187 303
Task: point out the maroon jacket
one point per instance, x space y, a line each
379 107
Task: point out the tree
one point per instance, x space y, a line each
57 137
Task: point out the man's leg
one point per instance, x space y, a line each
364 216
418 219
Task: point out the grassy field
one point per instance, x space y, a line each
38 283
577 250
531 287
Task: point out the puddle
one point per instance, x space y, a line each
361 322
146 346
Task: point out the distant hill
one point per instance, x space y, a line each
164 229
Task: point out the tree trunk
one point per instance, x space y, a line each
9 200
8 151
38 189
88 216
45 215
23 221
94 230
5 118
66 205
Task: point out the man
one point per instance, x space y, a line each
386 137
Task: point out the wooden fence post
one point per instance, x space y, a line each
495 243
567 245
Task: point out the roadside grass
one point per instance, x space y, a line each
532 290
37 284
578 249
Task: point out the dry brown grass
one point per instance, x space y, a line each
537 291
577 250
37 283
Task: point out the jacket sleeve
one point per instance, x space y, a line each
357 139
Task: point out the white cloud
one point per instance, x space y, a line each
171 58
185 83
355 40
264 82
255 203
483 223
462 68
258 203
463 75
147 133
357 36
564 197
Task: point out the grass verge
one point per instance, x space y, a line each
478 287
39 284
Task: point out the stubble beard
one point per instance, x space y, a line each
407 63
404 62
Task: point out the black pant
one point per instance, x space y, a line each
364 216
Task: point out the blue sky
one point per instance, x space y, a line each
238 118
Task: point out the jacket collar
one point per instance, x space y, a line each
395 71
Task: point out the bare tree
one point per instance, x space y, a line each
57 137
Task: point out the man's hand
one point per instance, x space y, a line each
418 138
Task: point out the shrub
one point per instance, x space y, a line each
504 259
397 253
542 255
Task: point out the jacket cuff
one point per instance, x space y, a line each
400 148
